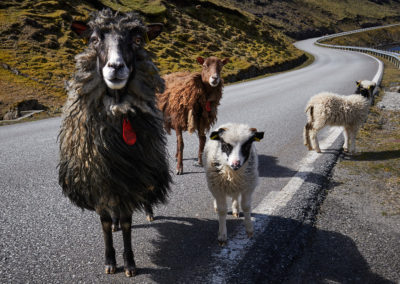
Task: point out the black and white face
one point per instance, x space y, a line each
235 150
117 50
116 55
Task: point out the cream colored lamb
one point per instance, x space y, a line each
332 109
231 165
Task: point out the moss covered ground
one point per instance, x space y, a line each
38 48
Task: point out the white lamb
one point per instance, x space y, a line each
231 165
331 109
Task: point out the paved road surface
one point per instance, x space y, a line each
44 239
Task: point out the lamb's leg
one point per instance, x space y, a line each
129 262
235 206
353 134
179 152
346 139
222 211
246 207
110 262
202 143
149 212
314 140
306 135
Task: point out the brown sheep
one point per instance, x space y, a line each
190 102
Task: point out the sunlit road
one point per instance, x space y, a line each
45 239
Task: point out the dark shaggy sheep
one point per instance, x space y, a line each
112 144
190 103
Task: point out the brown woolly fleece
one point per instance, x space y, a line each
184 102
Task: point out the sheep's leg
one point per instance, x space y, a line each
306 135
149 212
235 206
110 262
179 152
346 139
314 140
353 134
129 262
222 211
202 143
246 207
115 220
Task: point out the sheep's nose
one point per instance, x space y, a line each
235 165
115 65
215 76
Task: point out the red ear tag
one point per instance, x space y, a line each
127 132
208 106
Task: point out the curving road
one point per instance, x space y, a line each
44 239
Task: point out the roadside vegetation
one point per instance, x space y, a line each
374 38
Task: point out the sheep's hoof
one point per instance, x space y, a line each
110 269
129 272
221 243
309 148
250 234
318 151
150 218
235 215
114 227
179 172
345 150
198 164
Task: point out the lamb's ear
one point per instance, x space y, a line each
80 28
358 82
258 136
200 60
153 31
225 60
215 135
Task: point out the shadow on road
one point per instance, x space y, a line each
377 156
185 248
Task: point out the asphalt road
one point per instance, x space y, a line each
45 239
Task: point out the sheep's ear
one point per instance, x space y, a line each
225 60
215 135
200 60
358 82
80 28
258 136
153 31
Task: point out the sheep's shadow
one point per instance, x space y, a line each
268 167
186 246
377 156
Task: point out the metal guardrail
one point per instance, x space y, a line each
393 57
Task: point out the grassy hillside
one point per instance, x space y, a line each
301 19
38 48
374 38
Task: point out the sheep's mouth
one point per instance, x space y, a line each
116 83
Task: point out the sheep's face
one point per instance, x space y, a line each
212 67
366 90
117 39
235 144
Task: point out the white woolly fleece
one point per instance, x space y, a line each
220 176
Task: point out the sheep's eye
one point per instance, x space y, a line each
138 40
226 148
94 40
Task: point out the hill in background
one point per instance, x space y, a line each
38 48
